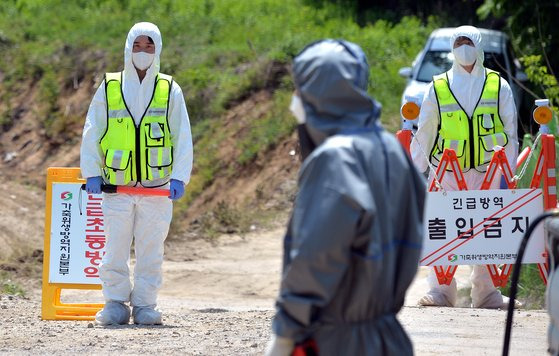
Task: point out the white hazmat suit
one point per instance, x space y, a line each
144 218
467 88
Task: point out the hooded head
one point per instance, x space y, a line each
142 29
466 54
331 78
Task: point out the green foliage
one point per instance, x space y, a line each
206 163
531 23
533 30
264 132
5 109
225 219
367 12
219 51
48 94
531 289
539 75
7 286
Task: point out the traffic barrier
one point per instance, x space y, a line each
63 246
543 174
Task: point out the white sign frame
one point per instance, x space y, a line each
479 215
77 236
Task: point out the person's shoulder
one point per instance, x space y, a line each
505 84
335 148
332 163
502 79
392 146
170 78
175 87
344 147
429 93
331 147
505 88
338 142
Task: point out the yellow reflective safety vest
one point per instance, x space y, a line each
472 138
142 153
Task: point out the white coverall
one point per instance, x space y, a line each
467 88
145 218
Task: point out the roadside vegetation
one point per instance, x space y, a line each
9 287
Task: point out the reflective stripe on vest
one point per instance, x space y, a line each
473 139
142 153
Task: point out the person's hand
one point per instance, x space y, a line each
176 190
279 346
93 185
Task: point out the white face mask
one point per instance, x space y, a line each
297 109
465 55
142 60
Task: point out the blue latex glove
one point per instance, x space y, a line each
93 185
176 189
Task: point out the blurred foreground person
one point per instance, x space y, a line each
137 133
353 243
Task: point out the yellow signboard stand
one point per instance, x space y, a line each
52 307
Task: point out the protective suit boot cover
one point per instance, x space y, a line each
435 298
494 300
114 313
506 301
439 295
146 316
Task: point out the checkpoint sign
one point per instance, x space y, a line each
480 227
77 237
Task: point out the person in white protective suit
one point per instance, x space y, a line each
491 116
136 133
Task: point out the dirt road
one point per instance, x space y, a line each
218 300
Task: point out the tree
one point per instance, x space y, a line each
531 24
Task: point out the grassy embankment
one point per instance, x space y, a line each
218 51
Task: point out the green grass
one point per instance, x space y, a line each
219 51
211 47
264 132
531 289
7 286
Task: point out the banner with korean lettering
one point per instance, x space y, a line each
479 227
77 236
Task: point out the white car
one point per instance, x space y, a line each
436 57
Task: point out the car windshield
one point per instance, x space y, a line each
437 62
434 62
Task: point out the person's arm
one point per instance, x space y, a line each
427 125
323 227
508 114
181 136
91 157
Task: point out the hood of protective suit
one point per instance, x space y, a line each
142 29
473 34
331 77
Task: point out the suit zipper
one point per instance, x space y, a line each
471 125
138 159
